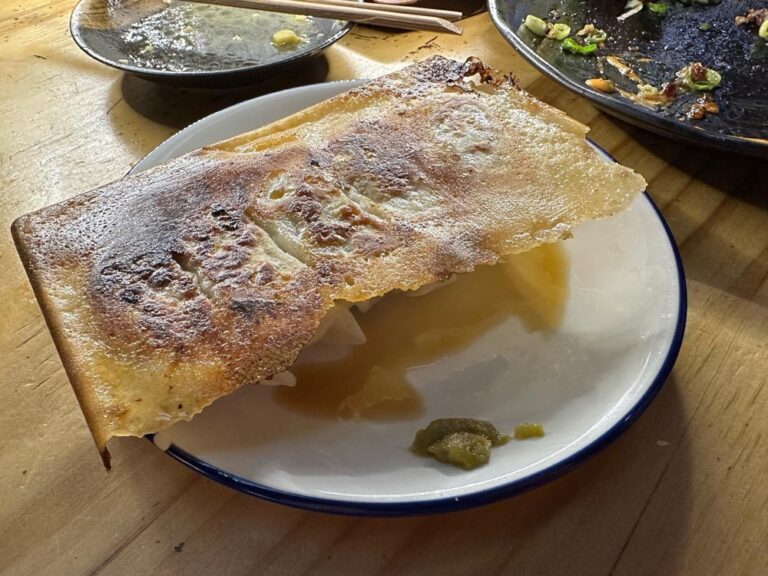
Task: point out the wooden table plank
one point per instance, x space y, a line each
682 492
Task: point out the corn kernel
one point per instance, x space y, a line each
285 38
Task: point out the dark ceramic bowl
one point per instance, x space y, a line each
656 48
196 45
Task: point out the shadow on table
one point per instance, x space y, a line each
740 176
625 509
631 500
178 107
715 248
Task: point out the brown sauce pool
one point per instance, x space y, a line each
405 332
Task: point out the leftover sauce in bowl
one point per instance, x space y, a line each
171 36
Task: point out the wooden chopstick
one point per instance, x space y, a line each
353 13
450 15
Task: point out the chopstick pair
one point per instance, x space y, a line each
389 15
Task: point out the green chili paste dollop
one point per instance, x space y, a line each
463 442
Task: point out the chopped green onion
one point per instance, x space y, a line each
705 26
658 8
559 31
711 82
596 37
570 45
763 31
536 25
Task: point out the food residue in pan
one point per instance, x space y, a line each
174 36
757 19
286 38
585 42
695 77
702 106
643 60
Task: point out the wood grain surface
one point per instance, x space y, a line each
684 491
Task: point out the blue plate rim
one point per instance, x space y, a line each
483 497
203 74
454 504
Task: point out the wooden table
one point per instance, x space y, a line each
684 491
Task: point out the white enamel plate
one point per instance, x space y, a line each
621 329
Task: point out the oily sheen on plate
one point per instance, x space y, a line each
169 289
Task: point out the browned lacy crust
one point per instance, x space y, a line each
167 290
